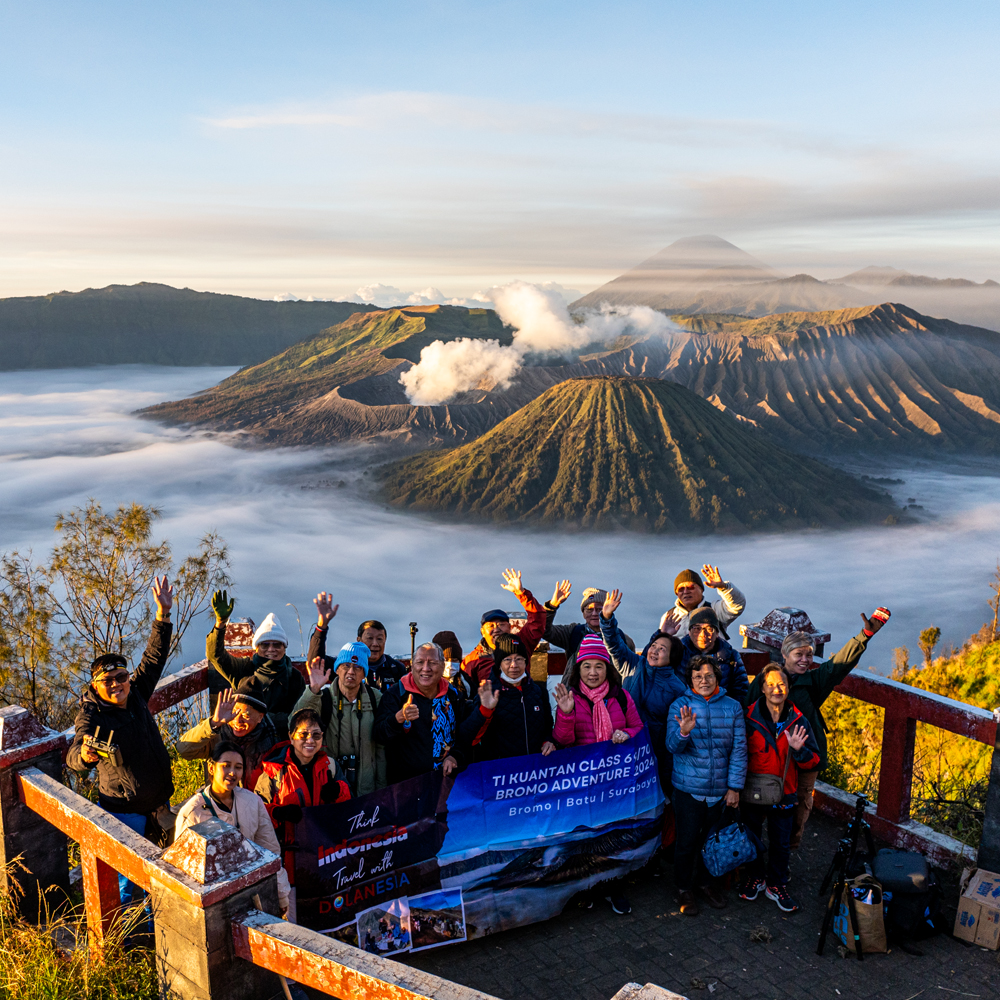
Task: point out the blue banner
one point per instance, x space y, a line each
506 843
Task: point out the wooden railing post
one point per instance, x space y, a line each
101 898
40 847
194 943
989 846
895 778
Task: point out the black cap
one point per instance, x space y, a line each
496 615
509 644
249 691
703 616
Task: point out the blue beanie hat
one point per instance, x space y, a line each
353 652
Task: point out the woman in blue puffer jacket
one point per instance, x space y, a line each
707 736
649 678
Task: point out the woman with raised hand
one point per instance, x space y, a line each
591 707
707 738
649 678
224 799
510 716
780 743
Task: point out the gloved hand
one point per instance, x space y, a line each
287 814
331 791
879 617
222 606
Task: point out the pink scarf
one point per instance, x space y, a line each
602 720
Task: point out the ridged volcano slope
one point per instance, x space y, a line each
637 453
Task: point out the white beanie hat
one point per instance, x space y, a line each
269 630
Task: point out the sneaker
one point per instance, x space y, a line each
782 897
751 888
619 904
688 903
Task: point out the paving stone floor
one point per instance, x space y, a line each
591 954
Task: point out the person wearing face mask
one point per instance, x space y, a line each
510 716
707 736
478 665
704 639
591 707
239 717
418 720
812 684
134 780
650 679
298 774
347 713
453 673
780 742
280 683
569 637
689 591
225 799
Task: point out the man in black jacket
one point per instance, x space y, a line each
134 778
511 715
570 636
418 719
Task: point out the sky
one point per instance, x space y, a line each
315 148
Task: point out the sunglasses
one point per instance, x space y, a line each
311 737
111 680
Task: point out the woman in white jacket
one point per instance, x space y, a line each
225 800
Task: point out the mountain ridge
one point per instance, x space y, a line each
657 458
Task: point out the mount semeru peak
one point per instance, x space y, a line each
636 453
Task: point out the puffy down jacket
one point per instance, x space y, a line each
713 758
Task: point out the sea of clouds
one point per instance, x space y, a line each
69 435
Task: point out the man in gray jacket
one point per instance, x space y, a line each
689 591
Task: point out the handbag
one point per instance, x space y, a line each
766 789
727 847
868 907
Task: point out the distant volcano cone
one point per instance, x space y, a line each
636 453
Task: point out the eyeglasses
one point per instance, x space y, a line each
702 630
353 666
311 737
119 678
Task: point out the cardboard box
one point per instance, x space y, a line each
978 918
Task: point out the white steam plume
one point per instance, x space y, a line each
446 369
542 326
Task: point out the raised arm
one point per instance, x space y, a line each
534 627
154 658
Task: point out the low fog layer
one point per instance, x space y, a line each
67 435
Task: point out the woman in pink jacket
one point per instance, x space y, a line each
591 707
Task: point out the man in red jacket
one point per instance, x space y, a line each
478 664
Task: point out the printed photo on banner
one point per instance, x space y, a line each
348 933
385 930
437 918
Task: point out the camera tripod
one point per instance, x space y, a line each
841 870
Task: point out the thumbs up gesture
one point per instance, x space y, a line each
409 712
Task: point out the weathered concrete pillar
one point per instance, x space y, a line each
194 943
989 846
24 743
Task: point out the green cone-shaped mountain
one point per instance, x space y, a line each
637 453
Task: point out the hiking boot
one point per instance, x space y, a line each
716 898
688 903
751 888
782 897
619 904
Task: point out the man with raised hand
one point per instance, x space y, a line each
478 664
570 635
418 718
689 591
811 686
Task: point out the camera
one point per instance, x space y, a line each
349 765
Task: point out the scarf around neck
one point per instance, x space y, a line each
602 718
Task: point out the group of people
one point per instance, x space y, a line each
279 740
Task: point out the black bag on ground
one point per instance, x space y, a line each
914 911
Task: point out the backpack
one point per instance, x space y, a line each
913 907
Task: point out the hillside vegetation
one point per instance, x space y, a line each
154 324
636 453
950 772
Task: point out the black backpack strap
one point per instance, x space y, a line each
622 703
325 707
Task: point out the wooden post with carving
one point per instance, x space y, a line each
41 848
